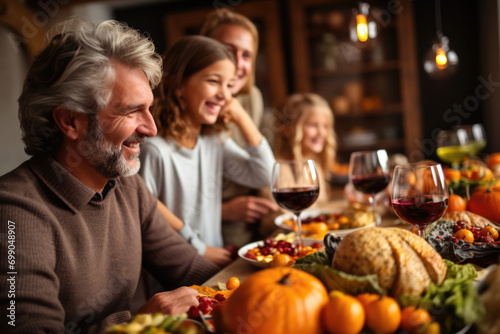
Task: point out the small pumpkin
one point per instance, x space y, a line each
274 300
485 201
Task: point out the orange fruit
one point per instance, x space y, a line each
317 230
489 230
464 234
282 260
493 159
412 318
456 203
383 315
343 314
451 174
232 283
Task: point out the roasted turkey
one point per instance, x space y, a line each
402 261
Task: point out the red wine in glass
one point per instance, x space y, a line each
295 187
296 199
420 212
419 193
369 173
371 183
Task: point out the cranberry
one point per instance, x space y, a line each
454 240
206 307
265 251
219 297
456 228
204 299
315 245
269 242
438 237
489 239
193 312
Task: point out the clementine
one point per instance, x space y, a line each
464 234
412 318
343 314
232 283
383 315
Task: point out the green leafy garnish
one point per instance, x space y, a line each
455 303
318 265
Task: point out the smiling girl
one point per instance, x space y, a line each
185 164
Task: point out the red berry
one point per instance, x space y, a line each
220 297
206 307
454 240
193 312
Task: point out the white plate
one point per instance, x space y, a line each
243 250
280 220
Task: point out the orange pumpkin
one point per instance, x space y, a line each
274 300
485 201
456 203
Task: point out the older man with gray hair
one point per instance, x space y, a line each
77 222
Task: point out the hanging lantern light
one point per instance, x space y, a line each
440 61
363 27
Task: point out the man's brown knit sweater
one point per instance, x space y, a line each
70 260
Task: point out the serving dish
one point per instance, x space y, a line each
280 220
243 250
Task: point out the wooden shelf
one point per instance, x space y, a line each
389 65
388 70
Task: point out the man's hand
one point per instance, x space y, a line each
171 302
247 208
219 256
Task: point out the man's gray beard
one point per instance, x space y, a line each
107 159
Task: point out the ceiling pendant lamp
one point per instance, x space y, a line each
440 61
363 27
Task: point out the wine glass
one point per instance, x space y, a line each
369 173
453 146
419 194
295 187
477 138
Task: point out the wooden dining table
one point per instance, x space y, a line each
242 268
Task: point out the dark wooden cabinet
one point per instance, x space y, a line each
373 89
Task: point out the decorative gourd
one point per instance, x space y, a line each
485 201
274 300
402 261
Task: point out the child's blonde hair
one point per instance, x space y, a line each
290 121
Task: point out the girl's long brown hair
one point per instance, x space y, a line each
188 56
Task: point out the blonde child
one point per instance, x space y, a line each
305 131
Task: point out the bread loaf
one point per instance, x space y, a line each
402 261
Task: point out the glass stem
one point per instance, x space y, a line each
299 231
373 202
421 230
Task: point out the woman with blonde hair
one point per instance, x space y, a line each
241 208
184 165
